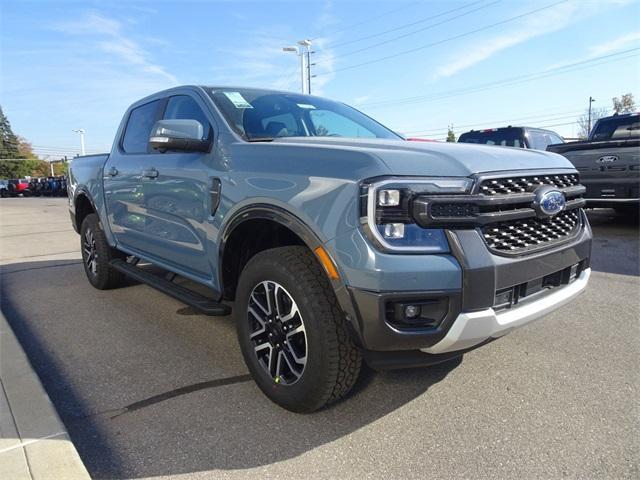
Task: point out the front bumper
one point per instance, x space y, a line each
472 328
467 306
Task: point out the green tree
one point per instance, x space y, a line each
25 149
451 137
624 104
10 143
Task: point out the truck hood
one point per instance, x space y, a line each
437 158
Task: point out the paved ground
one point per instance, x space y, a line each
558 398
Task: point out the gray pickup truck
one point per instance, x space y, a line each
609 162
334 240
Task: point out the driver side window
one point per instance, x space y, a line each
183 107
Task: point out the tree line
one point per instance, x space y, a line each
17 159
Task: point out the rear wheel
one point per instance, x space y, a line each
292 333
96 255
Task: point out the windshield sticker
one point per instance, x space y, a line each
237 99
306 105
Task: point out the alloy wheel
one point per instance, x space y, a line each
277 331
90 252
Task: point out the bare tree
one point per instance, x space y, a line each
583 121
624 104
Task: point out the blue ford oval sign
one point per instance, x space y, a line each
550 202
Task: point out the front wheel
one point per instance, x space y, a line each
292 333
96 255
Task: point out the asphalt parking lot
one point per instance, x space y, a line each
147 388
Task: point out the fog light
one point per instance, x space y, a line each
389 198
411 311
394 230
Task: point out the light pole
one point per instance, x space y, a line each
81 132
305 65
307 44
303 81
591 100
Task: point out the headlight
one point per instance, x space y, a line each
387 217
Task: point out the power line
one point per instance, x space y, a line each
354 25
433 25
508 81
400 27
538 118
449 39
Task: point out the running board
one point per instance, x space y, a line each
189 297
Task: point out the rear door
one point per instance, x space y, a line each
177 195
123 177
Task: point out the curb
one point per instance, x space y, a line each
34 443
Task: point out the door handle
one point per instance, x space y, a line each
113 171
151 173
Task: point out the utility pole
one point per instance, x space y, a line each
305 64
591 100
81 132
307 44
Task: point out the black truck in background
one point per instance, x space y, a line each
609 162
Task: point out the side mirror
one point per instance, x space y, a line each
184 135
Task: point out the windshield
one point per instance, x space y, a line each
506 137
614 128
540 139
264 115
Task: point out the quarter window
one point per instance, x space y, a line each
141 120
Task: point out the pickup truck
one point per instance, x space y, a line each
520 137
331 239
609 162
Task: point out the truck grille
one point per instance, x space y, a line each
520 235
505 212
508 185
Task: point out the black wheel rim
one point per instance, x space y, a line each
90 252
277 332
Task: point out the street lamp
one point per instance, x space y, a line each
81 132
305 66
307 44
302 69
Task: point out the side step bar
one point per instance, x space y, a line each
189 297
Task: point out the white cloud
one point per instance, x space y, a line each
260 61
539 24
615 44
113 40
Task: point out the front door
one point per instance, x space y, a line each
177 200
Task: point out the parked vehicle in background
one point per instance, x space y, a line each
609 162
17 187
49 186
4 188
337 240
521 137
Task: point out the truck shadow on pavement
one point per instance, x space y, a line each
145 388
614 233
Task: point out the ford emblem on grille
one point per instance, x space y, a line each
607 159
549 201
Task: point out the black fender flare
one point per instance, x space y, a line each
77 193
308 236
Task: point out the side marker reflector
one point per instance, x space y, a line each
326 262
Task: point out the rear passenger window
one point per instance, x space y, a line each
183 107
141 120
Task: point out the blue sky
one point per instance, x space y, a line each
415 66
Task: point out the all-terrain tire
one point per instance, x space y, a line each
332 360
96 255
